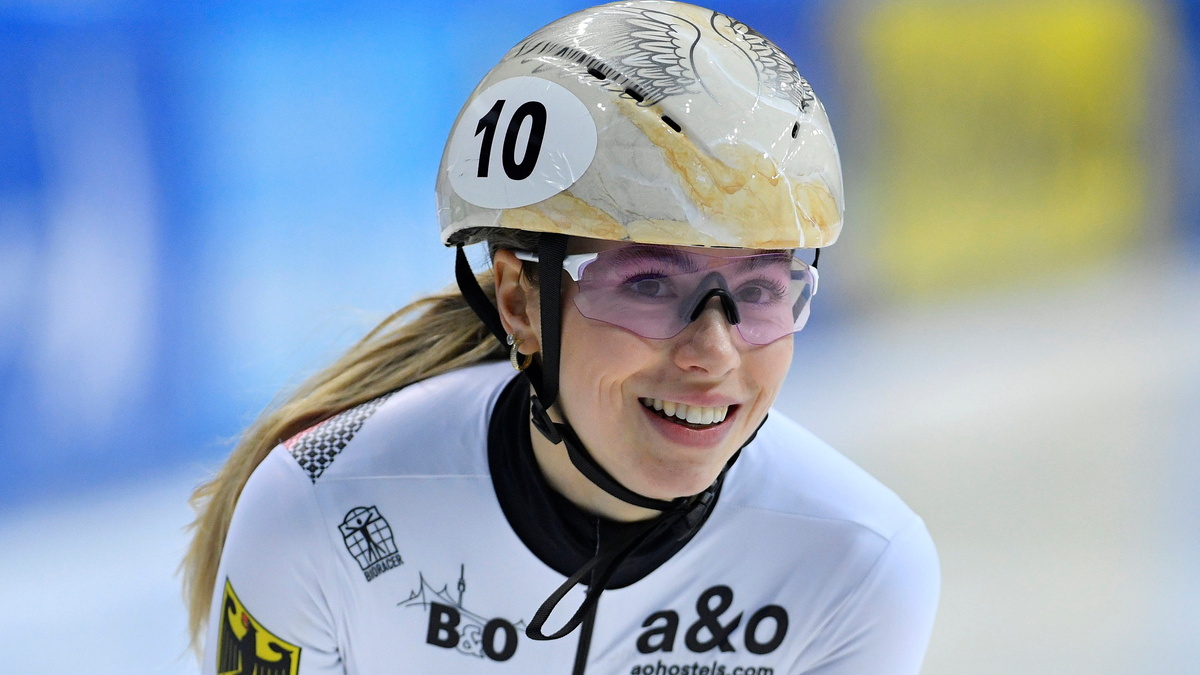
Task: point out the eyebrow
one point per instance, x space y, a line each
663 254
763 260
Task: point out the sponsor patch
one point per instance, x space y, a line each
713 629
452 626
368 538
246 647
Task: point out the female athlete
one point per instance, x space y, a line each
653 182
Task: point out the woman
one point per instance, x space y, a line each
652 180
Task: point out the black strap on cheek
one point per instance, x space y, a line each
552 248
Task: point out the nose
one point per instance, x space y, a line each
708 344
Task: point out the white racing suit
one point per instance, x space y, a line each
374 543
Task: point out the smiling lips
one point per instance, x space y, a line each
691 414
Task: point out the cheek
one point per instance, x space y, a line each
767 366
598 361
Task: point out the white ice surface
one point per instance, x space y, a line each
88 583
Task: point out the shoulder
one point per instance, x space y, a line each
403 431
789 471
868 552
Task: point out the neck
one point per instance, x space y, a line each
562 475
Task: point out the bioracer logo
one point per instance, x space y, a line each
368 538
763 633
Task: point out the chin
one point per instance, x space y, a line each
674 483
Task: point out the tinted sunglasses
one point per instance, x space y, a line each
655 291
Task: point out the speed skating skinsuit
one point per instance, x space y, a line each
380 542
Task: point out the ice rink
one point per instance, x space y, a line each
1047 436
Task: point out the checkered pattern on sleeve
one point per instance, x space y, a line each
315 448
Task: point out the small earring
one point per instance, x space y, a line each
514 355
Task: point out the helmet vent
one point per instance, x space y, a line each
672 123
597 73
795 129
633 94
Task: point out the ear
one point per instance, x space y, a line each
517 301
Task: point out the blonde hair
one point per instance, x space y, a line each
430 336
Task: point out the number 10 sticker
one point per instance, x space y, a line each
520 141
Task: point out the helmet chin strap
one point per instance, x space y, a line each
543 377
552 248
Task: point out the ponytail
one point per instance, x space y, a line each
431 336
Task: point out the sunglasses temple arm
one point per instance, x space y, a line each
573 264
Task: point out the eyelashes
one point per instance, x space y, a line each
657 283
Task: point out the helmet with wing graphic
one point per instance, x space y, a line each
651 122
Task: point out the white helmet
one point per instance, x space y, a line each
651 122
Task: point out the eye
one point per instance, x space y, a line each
751 294
651 287
760 293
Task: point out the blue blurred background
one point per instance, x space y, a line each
201 202
198 199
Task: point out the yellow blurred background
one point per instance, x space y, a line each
1012 138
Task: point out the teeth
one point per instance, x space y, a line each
692 414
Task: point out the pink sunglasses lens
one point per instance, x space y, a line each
654 291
